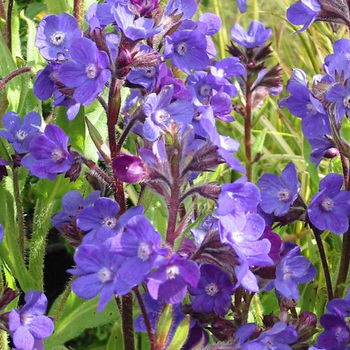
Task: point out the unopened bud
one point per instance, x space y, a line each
128 168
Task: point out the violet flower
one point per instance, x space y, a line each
28 325
330 208
185 7
304 12
187 49
55 35
279 193
159 110
128 168
293 269
170 281
242 5
20 134
87 72
49 154
256 35
2 233
140 244
97 270
213 292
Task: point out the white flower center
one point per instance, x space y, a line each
346 101
21 135
220 73
109 222
283 195
149 72
105 275
205 90
26 319
57 38
327 204
161 116
250 38
198 116
212 289
58 155
91 71
144 251
172 271
310 108
181 49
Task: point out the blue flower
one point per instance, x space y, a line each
29 326
256 35
330 208
303 12
55 35
20 134
279 193
87 72
293 269
49 154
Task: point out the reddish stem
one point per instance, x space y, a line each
247 131
12 75
9 25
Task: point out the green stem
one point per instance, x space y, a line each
344 265
63 300
42 222
20 215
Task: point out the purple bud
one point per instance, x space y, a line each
145 6
128 168
331 153
7 296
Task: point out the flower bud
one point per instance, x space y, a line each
128 168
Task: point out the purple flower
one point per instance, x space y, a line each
102 214
336 334
242 5
213 292
159 110
279 193
145 6
97 269
170 281
87 72
278 337
235 200
340 95
256 35
330 208
128 168
186 7
187 48
2 233
65 220
140 244
44 85
293 269
55 35
303 12
29 326
49 154
141 28
20 134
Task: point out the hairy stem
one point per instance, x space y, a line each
145 317
64 299
12 75
20 215
247 131
344 265
9 25
79 12
174 199
317 234
128 328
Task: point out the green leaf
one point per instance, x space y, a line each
180 335
34 9
75 129
79 315
163 327
115 340
308 297
259 143
56 7
7 66
310 167
15 35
